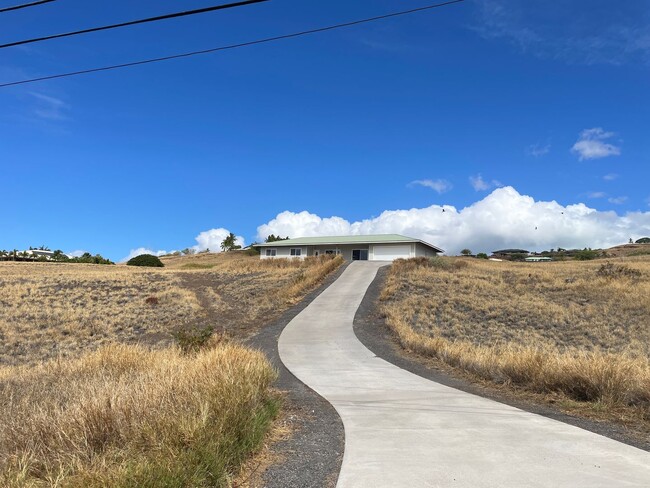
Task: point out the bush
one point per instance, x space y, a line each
613 271
482 255
145 260
586 255
196 339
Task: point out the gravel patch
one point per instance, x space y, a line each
312 455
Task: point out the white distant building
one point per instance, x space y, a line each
383 247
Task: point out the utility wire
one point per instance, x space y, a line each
231 46
133 22
24 5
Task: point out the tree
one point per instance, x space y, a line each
586 254
643 240
466 252
146 260
274 238
482 255
59 256
230 243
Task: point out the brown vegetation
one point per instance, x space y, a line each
53 309
128 416
578 330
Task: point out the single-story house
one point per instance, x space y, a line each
382 247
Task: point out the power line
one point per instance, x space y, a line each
24 5
231 46
134 22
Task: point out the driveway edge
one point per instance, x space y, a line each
312 455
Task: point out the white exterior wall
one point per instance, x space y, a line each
372 256
416 249
284 252
423 251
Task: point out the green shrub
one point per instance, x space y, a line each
482 255
145 260
193 340
586 255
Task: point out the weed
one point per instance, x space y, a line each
616 271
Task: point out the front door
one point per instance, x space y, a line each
359 255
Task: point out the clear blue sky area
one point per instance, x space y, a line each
551 98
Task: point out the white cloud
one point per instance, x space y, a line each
212 239
77 253
440 186
50 108
479 184
142 250
610 177
597 194
617 200
591 145
537 150
502 219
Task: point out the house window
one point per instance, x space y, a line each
270 252
296 251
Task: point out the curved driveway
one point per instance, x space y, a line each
402 430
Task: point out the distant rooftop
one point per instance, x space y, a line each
357 239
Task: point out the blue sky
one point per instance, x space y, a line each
506 112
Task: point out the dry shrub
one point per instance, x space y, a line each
617 271
435 263
313 270
127 416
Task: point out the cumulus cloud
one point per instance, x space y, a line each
479 184
440 186
591 145
212 239
142 250
502 219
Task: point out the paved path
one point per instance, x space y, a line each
402 430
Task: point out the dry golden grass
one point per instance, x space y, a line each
58 309
128 416
563 328
47 310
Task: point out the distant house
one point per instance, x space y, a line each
538 259
509 253
37 253
382 247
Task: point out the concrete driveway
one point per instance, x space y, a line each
402 430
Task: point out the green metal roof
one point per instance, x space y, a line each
333 240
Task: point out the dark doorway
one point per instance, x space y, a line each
360 255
